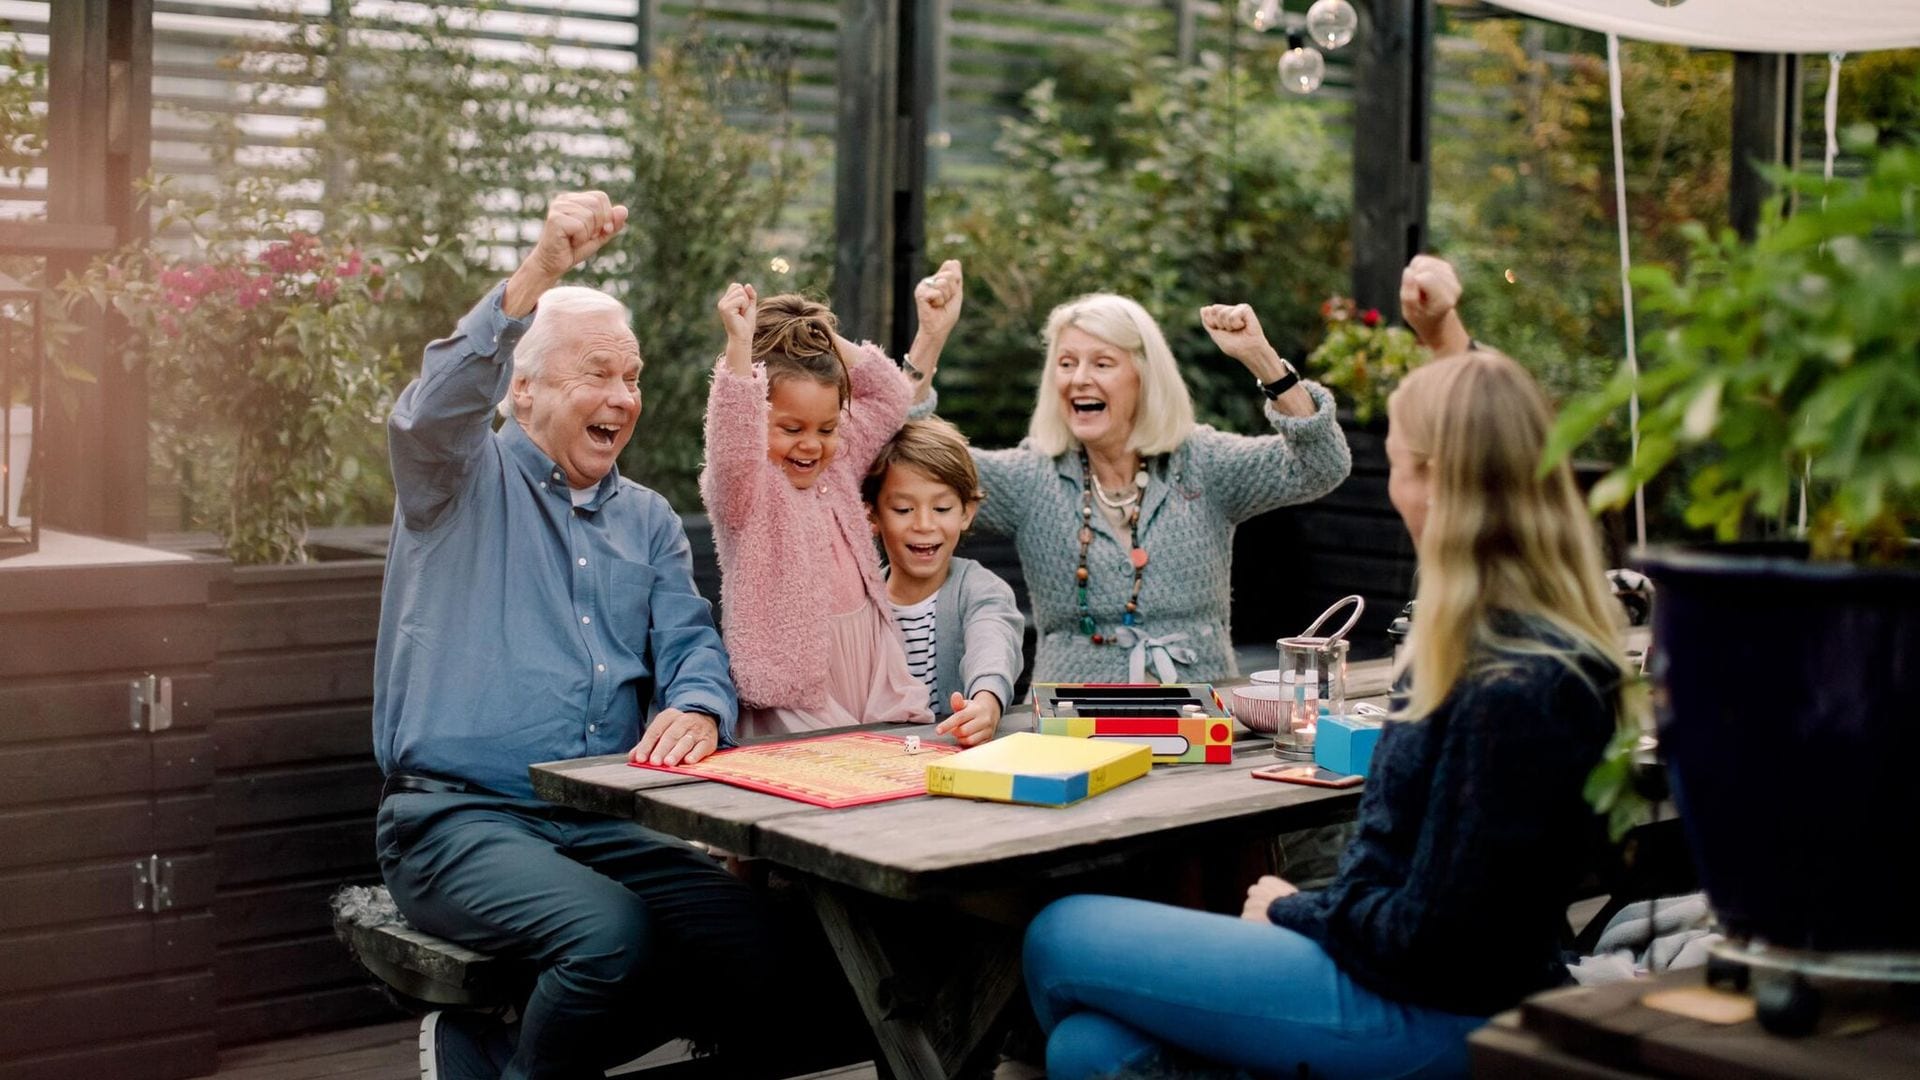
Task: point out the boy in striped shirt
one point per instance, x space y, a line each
961 627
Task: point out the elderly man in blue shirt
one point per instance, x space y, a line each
536 604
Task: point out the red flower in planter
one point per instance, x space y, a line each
1371 317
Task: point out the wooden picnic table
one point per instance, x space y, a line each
925 900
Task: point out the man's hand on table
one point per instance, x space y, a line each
677 738
1263 893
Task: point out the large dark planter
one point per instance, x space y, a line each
1790 723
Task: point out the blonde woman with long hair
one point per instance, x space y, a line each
1450 904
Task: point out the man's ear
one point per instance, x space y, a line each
971 508
520 393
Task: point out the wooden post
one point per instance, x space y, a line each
917 111
1766 130
644 17
866 160
1185 33
99 119
1392 94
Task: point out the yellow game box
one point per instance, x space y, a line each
1040 770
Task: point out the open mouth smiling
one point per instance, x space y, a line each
1089 406
602 434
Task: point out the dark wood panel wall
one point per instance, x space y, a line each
106 824
295 790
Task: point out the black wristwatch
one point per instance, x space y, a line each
1285 383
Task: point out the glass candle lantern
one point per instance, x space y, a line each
1313 682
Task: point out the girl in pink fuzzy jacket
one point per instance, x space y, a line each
795 416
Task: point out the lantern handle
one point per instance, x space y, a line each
1359 605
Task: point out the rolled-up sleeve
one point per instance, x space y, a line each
441 421
690 666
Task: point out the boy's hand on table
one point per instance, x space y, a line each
973 722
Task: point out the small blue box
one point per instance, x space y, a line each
1344 744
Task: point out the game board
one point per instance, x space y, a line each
833 771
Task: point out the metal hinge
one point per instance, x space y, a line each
153 884
150 703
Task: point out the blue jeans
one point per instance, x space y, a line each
638 937
1127 986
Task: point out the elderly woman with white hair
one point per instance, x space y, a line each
1123 508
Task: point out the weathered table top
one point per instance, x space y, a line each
935 846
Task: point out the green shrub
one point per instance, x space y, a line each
452 153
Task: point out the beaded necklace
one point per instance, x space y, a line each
1131 617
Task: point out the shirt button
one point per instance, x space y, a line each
599 667
557 477
583 562
591 728
543 485
586 618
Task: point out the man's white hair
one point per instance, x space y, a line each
557 308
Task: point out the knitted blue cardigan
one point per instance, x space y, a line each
1194 498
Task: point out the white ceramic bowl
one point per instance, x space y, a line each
1258 706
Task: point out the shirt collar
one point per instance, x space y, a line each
544 471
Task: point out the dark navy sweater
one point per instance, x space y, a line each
1473 834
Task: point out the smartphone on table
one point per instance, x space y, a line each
1311 775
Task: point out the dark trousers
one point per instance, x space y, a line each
637 936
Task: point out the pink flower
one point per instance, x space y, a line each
325 288
351 267
1371 317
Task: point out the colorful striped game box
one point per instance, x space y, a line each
1181 723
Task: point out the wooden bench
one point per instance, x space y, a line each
423 972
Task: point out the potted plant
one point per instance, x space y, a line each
1788 671
1361 358
258 343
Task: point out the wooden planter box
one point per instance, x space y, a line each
295 785
107 869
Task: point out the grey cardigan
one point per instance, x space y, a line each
1195 496
978 628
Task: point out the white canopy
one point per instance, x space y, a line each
1774 26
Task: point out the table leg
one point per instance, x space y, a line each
933 983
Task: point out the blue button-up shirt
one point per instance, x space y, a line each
515 626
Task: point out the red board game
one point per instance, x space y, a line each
834 771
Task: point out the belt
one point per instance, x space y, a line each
423 784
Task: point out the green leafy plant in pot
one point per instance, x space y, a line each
1362 357
1787 673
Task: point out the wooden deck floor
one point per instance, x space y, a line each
390 1052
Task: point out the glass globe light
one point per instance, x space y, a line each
1332 22
1262 15
1302 68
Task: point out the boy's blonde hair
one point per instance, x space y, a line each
936 448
